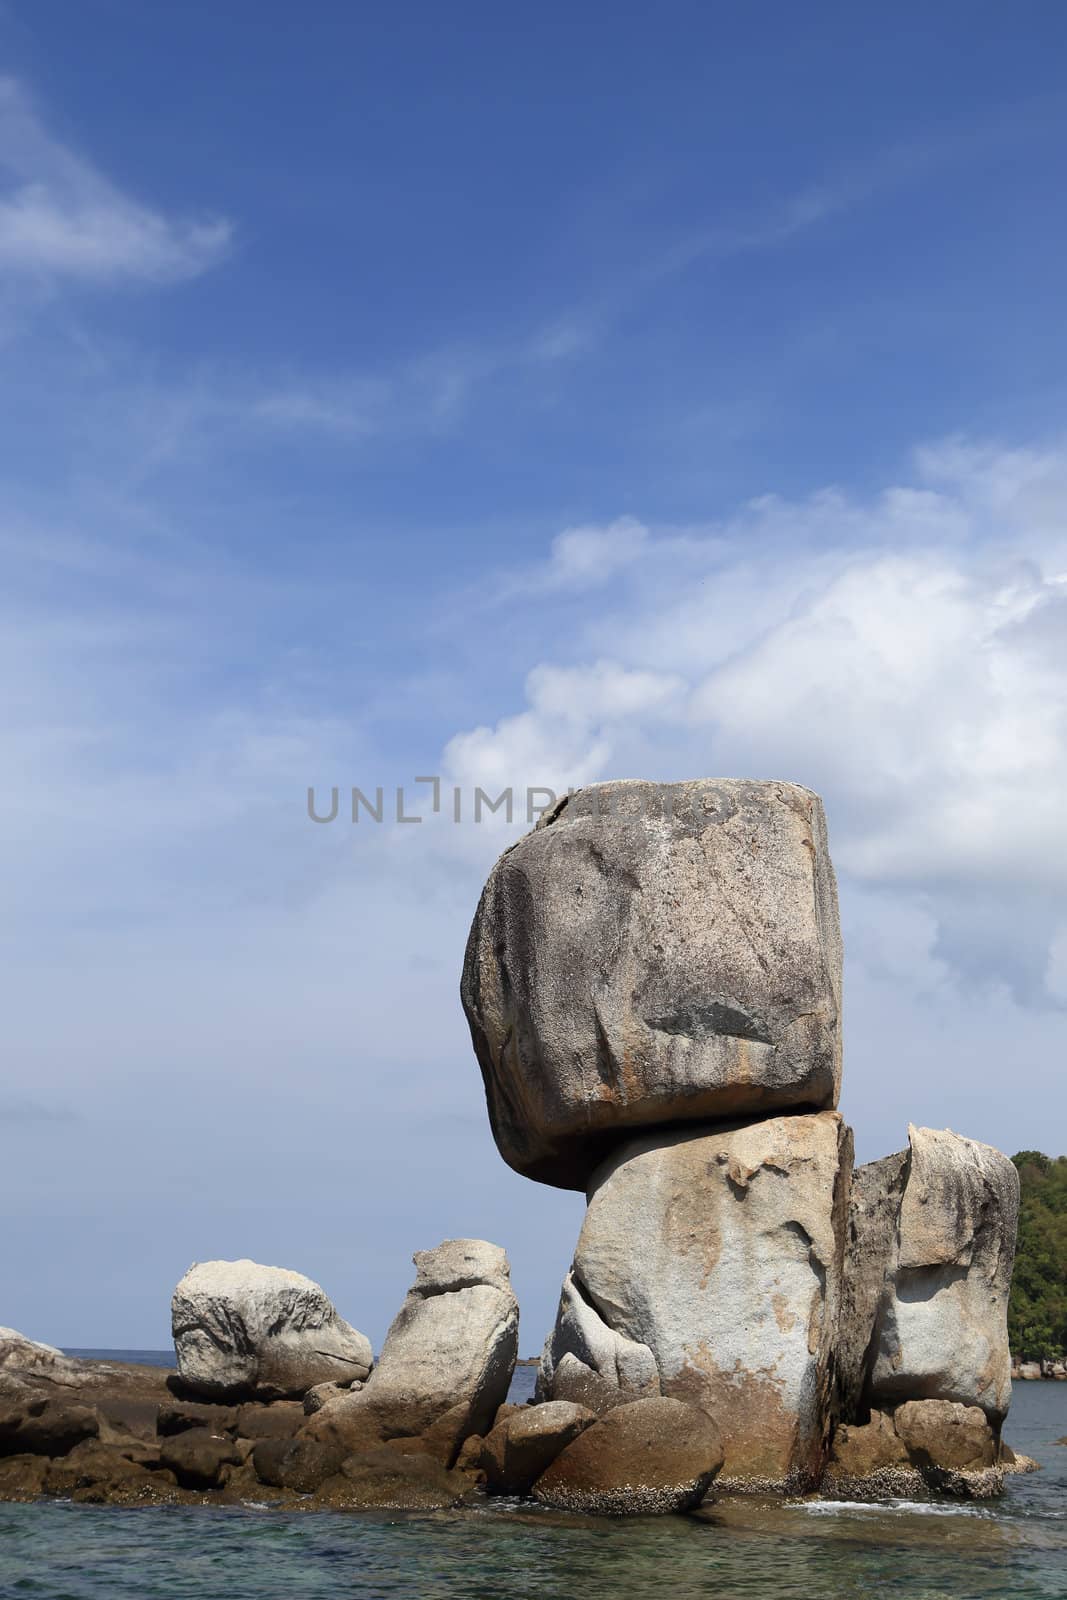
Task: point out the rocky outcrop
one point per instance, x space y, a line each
719 1254
941 1326
654 954
447 1360
643 1459
240 1327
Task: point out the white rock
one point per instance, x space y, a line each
720 1253
239 1325
942 1330
452 1347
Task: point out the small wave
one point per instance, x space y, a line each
925 1508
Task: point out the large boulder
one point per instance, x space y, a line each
643 1459
447 1360
239 1327
654 954
720 1253
941 1329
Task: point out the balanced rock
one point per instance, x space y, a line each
654 954
447 1360
941 1325
643 1459
720 1253
239 1326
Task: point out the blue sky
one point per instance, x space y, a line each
528 400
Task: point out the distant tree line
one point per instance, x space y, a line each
1037 1312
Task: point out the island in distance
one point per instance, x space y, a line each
653 987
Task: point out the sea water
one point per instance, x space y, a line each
1010 1549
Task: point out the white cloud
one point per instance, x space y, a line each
906 656
61 217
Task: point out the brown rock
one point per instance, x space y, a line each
197 1457
859 1451
395 1479
653 955
278 1421
300 1464
323 1393
942 1433
644 1458
22 1477
46 1427
522 1447
189 1414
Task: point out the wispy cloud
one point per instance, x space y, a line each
61 217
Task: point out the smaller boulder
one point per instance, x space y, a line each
645 1458
523 1446
395 1479
943 1433
572 1380
323 1393
298 1464
278 1421
46 1427
197 1457
23 1477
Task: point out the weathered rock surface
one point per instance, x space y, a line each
197 1457
644 1458
394 1479
581 1332
46 1427
239 1326
570 1379
942 1433
23 1360
874 1221
720 1252
651 955
447 1360
941 1331
521 1447
924 1444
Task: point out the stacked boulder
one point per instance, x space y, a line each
653 986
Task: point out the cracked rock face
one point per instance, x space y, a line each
715 1257
448 1357
941 1329
654 954
240 1326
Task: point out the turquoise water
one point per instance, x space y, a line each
1013 1549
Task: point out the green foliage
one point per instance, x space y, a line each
1037 1314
